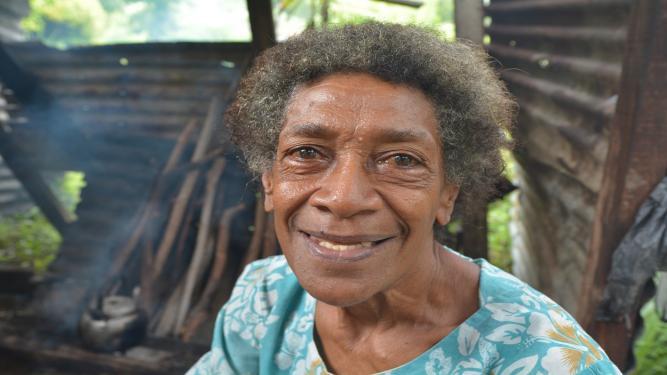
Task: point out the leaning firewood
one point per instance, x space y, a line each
202 309
199 258
254 248
146 261
163 325
175 222
195 319
168 317
205 163
184 244
182 141
157 290
184 195
221 252
152 205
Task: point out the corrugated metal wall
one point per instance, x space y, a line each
13 197
115 115
562 60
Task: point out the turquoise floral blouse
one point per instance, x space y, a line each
267 328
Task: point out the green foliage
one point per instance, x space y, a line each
115 5
68 189
651 348
500 242
292 16
155 17
27 238
62 23
498 221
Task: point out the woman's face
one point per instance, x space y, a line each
356 186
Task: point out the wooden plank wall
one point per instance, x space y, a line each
636 163
13 198
562 60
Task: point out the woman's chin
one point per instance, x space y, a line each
337 294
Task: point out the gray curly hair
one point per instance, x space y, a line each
472 106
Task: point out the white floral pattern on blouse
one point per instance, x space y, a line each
267 328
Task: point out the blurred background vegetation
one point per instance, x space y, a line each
63 23
27 239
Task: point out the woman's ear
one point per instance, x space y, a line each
446 203
267 184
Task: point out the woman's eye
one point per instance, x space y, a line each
402 160
305 153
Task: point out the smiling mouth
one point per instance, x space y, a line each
344 249
341 247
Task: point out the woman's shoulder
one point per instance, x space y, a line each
264 294
262 285
528 329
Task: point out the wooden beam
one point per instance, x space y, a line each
636 162
68 357
261 24
583 66
546 5
409 3
564 34
468 17
24 85
27 90
33 183
475 232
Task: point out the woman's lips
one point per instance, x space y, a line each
343 248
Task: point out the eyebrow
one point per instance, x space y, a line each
404 135
310 130
314 130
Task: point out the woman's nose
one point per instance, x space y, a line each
347 190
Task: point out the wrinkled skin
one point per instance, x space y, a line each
356 186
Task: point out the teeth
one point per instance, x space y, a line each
339 247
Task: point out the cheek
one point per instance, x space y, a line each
417 210
288 197
290 194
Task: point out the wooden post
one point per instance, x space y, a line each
475 242
468 17
25 86
261 24
409 3
30 93
324 12
636 162
33 183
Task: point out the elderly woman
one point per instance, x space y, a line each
364 136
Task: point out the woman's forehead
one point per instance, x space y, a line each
336 86
363 100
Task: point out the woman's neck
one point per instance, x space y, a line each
443 291
397 325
